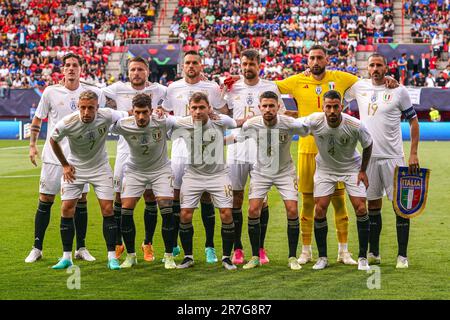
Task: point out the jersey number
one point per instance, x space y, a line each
145 150
373 107
249 112
92 144
228 191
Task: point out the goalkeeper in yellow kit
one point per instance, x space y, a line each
308 92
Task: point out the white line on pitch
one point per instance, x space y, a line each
22 176
21 147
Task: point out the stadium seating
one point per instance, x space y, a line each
282 30
35 35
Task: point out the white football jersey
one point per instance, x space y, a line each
178 94
87 140
380 109
148 145
122 93
206 145
244 100
57 102
273 143
337 146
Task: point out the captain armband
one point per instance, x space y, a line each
409 113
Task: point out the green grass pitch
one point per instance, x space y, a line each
427 277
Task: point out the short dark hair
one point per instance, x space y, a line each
318 47
192 53
332 94
251 54
268 95
142 100
72 55
198 96
138 59
379 55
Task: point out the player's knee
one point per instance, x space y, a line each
107 209
46 197
292 214
254 212
226 215
361 209
185 216
320 211
292 211
68 208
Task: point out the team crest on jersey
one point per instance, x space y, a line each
156 135
102 130
212 137
283 137
73 105
344 139
91 135
250 99
133 138
331 85
387 97
373 98
305 87
318 90
410 192
144 139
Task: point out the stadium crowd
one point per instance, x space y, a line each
35 35
283 31
430 23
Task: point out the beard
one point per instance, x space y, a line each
249 75
317 70
139 82
192 74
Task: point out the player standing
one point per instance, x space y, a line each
56 102
242 101
336 135
121 95
178 95
381 109
308 92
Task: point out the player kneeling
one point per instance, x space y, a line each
86 131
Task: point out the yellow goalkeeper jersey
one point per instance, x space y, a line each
308 93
